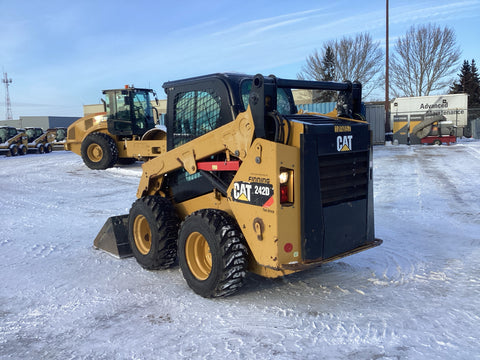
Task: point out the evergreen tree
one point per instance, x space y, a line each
328 63
328 71
468 83
465 74
475 94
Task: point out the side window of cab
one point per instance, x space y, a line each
196 113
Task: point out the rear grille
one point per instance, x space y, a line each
343 177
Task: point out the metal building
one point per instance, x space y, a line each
44 122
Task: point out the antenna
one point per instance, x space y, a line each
8 105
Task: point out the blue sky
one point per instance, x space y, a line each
61 54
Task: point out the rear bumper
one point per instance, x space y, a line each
313 263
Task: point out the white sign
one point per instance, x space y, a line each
453 107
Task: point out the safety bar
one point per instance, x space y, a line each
263 98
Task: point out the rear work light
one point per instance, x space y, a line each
286 186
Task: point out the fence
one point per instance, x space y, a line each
474 122
322 108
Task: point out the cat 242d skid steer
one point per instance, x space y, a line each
248 183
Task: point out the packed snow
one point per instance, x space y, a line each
417 296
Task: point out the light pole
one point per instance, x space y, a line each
387 85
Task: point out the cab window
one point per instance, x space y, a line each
283 102
196 113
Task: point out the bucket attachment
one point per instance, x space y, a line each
113 237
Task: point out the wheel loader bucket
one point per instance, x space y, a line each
113 237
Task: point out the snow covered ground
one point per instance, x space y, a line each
417 296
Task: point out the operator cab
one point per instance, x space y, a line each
129 111
201 104
61 134
7 132
33 133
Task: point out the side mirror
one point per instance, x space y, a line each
155 97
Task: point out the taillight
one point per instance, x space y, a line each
286 186
283 193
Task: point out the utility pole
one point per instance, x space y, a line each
8 105
387 85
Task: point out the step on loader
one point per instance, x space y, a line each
248 183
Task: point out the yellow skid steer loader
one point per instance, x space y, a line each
248 183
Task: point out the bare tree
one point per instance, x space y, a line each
356 59
360 59
423 61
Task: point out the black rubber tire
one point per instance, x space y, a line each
40 149
108 147
48 148
227 249
13 150
159 215
437 142
22 150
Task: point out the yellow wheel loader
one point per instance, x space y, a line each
12 141
123 133
247 183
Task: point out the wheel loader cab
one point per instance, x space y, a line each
129 111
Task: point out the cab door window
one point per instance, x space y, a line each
195 113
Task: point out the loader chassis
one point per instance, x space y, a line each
290 190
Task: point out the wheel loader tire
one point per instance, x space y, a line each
212 253
99 151
48 148
152 232
40 149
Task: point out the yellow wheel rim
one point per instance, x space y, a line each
95 152
199 257
142 234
